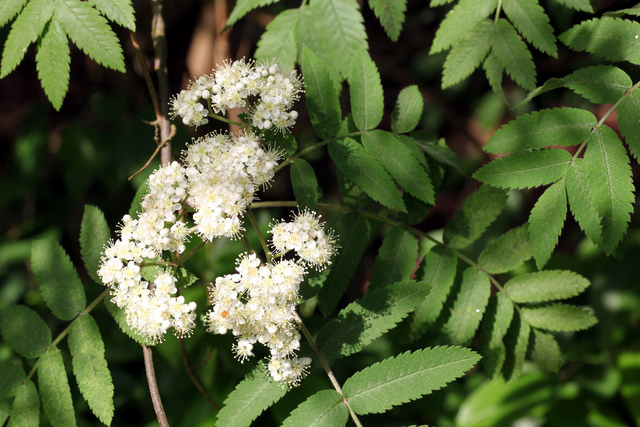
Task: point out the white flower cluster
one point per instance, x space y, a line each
263 87
258 303
306 236
219 180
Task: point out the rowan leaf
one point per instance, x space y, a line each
581 203
396 258
543 128
513 54
459 20
305 184
546 221
467 54
468 308
325 408
57 279
600 84
507 252
432 147
12 376
243 7
367 101
94 235
475 216
407 112
391 14
494 328
279 39
9 9
629 122
366 172
533 23
52 63
527 169
119 11
610 184
25 411
580 5
516 342
494 70
406 377
55 392
365 320
542 286
545 351
558 317
24 330
549 85
613 39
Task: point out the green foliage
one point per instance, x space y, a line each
59 283
468 54
94 235
558 317
9 9
305 184
437 150
516 341
90 367
468 307
461 18
407 110
391 14
543 286
24 331
54 388
494 328
396 258
533 23
507 252
11 377
600 84
629 122
513 55
365 320
51 22
26 406
367 102
278 41
406 377
545 351
245 6
471 221
546 222
325 408
250 398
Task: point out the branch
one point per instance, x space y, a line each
153 386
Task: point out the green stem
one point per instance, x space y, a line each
498 9
225 120
263 242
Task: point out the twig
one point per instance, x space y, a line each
153 387
160 66
190 369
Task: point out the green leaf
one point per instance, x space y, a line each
9 9
437 272
546 221
322 99
629 122
545 351
600 84
352 196
552 126
440 153
279 40
401 164
629 365
609 38
25 331
25 30
581 203
185 278
468 307
558 317
90 32
467 55
136 203
527 169
610 184
580 5
57 278
396 258
338 24
354 232
507 252
368 318
460 20
548 285
11 378
120 317
90 367
494 71
435 3
94 235
475 216
305 184
513 54
407 112
367 101
494 328
517 342
325 408
53 63
406 377
549 85
25 411
5 412
54 389
533 23
633 10
245 6
391 14
251 397
363 169
120 11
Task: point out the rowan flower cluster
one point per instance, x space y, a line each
268 92
257 304
218 180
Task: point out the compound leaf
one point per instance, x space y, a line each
546 221
54 388
322 98
305 184
25 331
507 252
580 5
477 213
542 286
558 317
279 41
466 55
516 342
494 328
513 54
460 20
533 23
368 318
245 6
600 84
629 122
9 9
553 126
391 14
323 409
545 351
407 112
94 235
396 258
58 280
367 101
52 60
26 406
406 377
609 38
90 367
119 11
468 307
527 169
